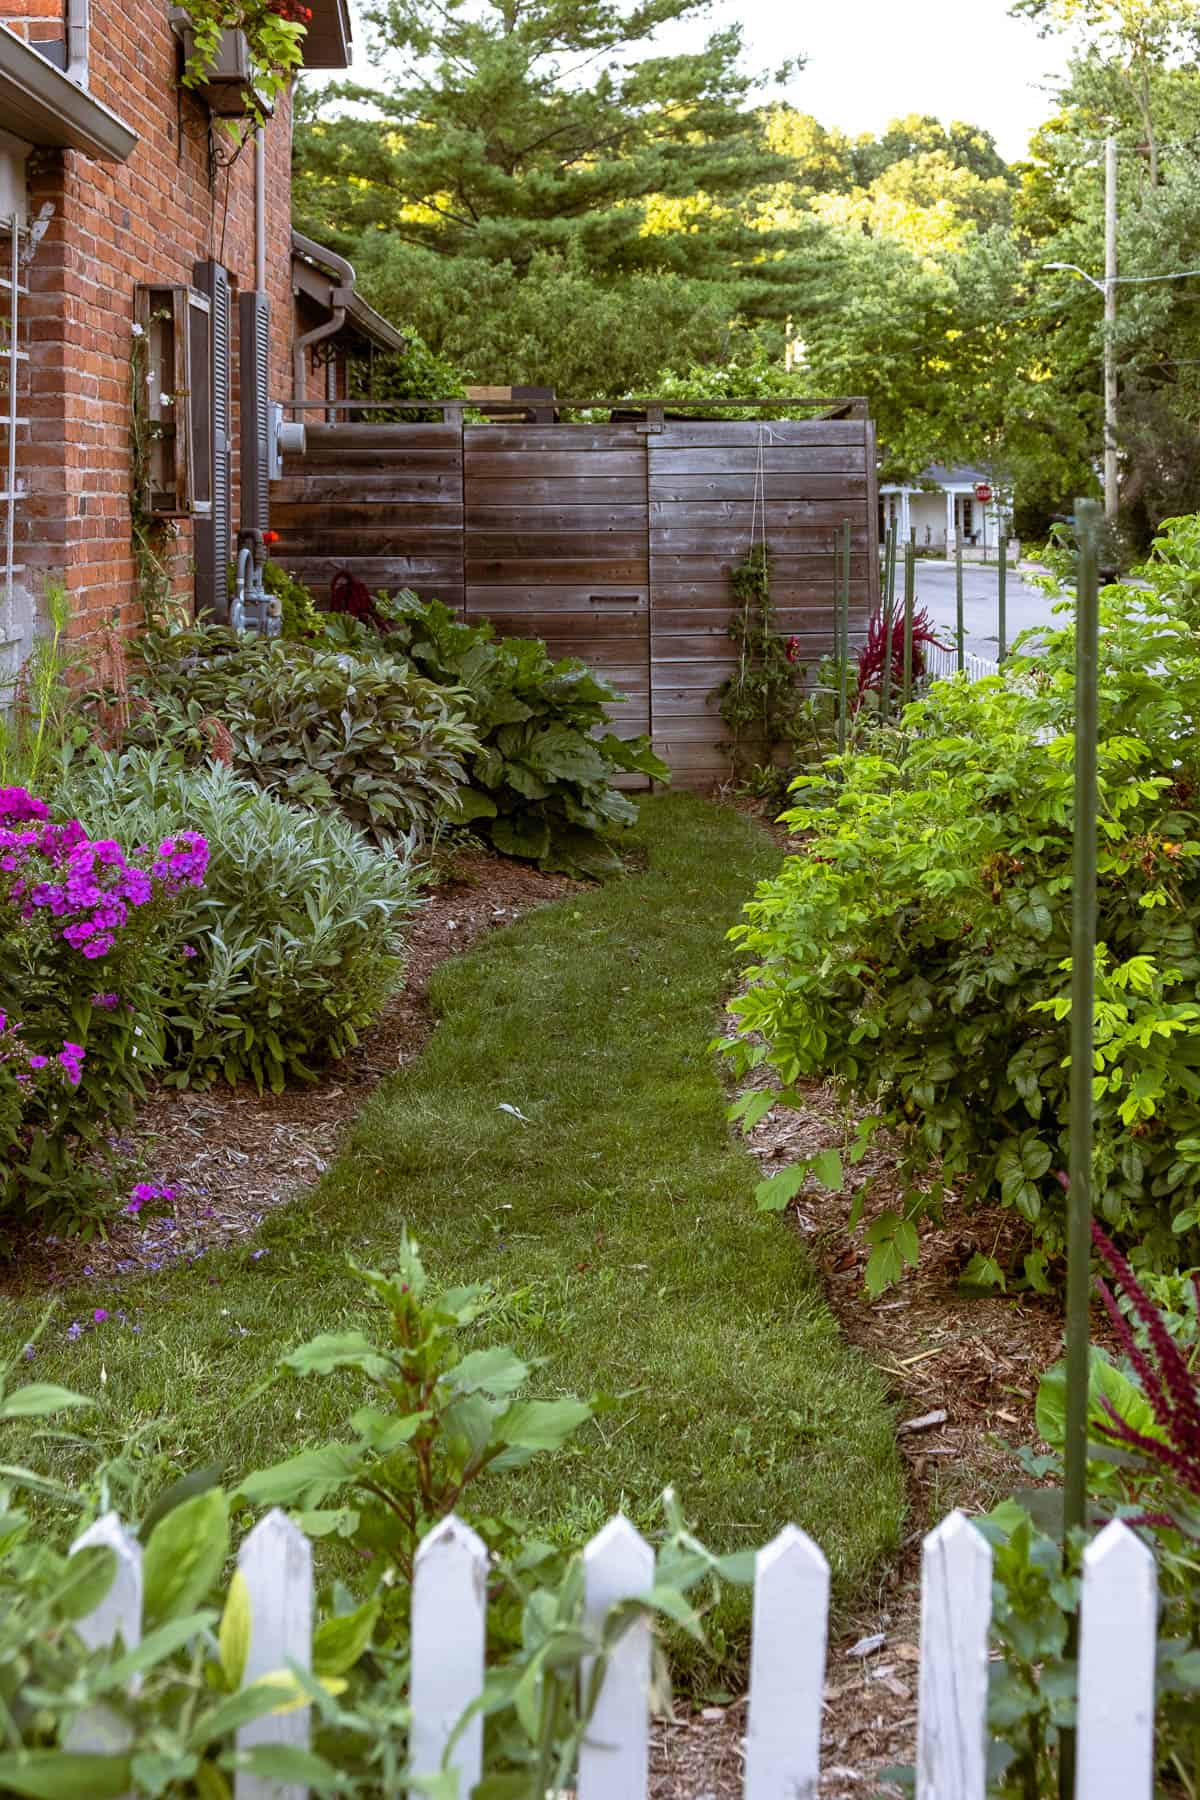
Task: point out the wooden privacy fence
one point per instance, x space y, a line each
613 542
1115 1757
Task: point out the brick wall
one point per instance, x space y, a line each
182 197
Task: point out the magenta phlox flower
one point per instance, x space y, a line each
106 1002
147 1191
90 885
71 1059
18 803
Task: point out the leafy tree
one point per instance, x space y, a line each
529 126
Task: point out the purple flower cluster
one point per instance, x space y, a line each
145 1192
17 1060
88 885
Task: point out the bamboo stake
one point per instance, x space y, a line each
958 600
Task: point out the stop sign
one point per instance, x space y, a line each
983 492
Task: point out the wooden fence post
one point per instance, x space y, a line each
276 1562
1117 1647
787 1669
956 1611
614 1761
449 1624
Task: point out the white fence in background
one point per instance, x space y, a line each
941 663
787 1674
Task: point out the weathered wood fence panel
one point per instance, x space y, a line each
1118 1619
556 546
383 501
612 542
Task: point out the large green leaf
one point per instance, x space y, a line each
39 1400
541 1424
303 1480
339 1350
339 1642
60 1775
184 1557
521 834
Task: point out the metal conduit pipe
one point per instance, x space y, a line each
340 299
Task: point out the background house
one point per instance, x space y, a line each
152 248
944 505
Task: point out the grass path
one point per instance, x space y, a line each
621 1214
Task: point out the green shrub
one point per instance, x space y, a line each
917 950
541 781
294 933
313 725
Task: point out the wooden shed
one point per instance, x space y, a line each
613 541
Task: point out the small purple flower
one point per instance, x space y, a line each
74 1330
189 950
29 1352
100 1314
106 1002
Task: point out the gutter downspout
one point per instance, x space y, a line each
340 298
260 206
77 42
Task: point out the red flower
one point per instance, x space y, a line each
270 537
792 649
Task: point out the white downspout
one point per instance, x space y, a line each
340 298
77 42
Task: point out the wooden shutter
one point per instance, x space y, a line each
213 546
254 350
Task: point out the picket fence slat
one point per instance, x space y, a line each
1115 1755
449 1625
1117 1648
101 1730
614 1762
276 1564
956 1611
787 1669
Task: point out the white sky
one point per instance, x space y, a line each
869 61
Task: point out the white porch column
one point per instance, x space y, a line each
905 520
949 521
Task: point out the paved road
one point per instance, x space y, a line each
1025 606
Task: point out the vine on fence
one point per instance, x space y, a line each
762 699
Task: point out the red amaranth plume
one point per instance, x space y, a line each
1171 1389
349 595
870 657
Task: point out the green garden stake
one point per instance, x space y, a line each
889 613
844 636
910 586
958 601
1002 594
1083 976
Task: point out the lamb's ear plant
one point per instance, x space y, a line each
433 1418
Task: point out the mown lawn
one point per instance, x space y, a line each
620 1216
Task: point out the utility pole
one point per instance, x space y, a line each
1111 496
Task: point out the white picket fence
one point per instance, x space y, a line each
942 663
787 1671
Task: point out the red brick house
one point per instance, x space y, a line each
151 252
